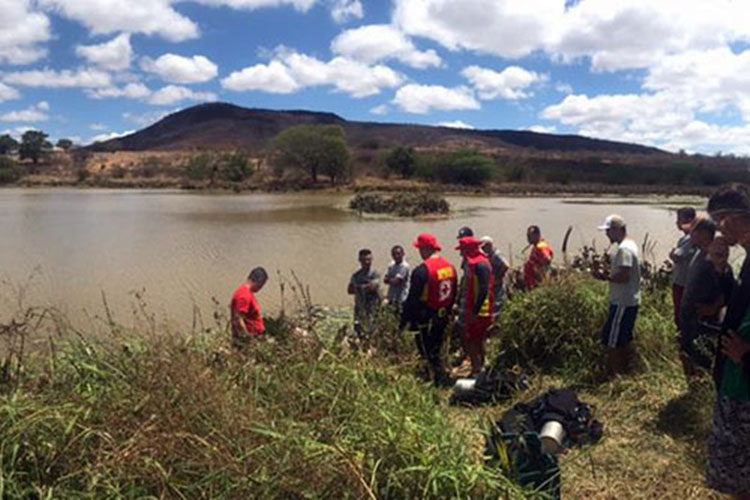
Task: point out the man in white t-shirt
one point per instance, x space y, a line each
624 294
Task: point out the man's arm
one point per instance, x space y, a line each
352 288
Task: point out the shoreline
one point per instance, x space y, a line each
366 184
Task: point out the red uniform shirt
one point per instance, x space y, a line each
245 304
537 264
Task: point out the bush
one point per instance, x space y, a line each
118 172
403 205
402 161
10 171
199 168
555 328
235 167
467 167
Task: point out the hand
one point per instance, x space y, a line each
733 347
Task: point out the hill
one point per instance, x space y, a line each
218 126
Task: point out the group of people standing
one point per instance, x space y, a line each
429 296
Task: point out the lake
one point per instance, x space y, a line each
64 247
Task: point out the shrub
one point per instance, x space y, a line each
402 161
10 171
199 168
465 167
118 171
403 205
235 167
555 328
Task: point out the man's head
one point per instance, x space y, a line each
615 228
427 244
729 208
257 278
533 235
464 232
468 246
397 252
703 234
685 219
488 246
365 258
718 251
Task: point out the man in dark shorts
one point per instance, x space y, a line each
432 292
246 318
624 294
729 441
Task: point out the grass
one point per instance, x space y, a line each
150 412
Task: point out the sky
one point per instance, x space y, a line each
674 74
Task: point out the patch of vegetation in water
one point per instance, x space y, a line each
401 205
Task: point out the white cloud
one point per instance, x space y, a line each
273 78
291 71
172 94
456 124
22 30
145 119
510 83
114 55
150 17
129 91
98 127
564 88
344 10
543 129
109 136
178 69
8 93
36 113
381 110
422 99
300 5
47 78
379 42
508 28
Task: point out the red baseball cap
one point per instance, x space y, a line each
468 242
427 240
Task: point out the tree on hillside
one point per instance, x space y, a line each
34 145
7 144
64 144
314 149
402 161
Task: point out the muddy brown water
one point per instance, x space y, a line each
64 247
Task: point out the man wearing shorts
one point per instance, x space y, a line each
624 294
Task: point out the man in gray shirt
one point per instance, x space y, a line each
397 278
681 256
365 286
624 294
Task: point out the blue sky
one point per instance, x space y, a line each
672 74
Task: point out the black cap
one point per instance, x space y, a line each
464 232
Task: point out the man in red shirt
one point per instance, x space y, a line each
246 317
537 265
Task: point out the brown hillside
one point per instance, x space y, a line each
219 126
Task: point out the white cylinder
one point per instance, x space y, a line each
552 437
464 384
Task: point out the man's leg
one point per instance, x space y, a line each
434 348
617 336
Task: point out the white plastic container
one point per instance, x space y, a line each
464 384
552 437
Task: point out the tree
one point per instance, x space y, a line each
7 144
34 145
65 144
402 161
314 149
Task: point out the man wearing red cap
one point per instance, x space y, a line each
477 310
426 309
